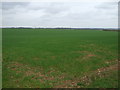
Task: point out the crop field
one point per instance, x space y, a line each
59 58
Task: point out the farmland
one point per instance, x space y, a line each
58 58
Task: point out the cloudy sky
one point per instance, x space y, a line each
60 14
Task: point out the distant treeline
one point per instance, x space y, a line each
111 30
104 29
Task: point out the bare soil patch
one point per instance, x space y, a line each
86 79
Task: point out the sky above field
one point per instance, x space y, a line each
60 14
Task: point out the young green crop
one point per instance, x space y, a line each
43 58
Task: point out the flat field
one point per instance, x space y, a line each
54 58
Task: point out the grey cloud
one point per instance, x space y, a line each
54 14
49 8
108 9
56 8
11 5
107 5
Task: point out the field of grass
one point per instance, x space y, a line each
46 58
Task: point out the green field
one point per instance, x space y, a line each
51 58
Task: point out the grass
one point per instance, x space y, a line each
46 58
101 82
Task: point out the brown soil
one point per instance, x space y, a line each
87 78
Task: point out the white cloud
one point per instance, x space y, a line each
65 14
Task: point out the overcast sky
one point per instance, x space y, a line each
60 14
